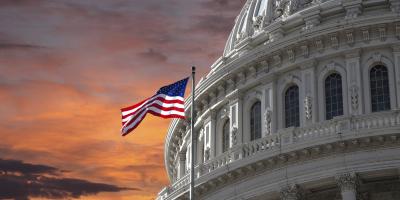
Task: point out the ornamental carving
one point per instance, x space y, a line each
268 121
224 114
347 181
353 11
284 8
308 107
354 97
234 134
365 33
207 154
258 23
292 192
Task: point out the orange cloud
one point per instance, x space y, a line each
66 68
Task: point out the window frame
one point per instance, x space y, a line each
386 98
285 108
225 127
337 95
254 119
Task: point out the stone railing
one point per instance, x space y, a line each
285 138
263 144
217 162
181 182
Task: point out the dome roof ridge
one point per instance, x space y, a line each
256 15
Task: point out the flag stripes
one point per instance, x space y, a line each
167 103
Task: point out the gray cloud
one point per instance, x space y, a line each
226 5
18 46
153 55
21 180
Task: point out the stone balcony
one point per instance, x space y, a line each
291 145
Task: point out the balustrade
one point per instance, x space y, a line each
289 136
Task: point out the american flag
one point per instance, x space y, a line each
168 102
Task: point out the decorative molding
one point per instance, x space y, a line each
277 59
347 181
354 93
353 9
225 113
334 41
376 57
252 72
291 192
395 6
291 54
304 50
319 44
350 37
365 34
241 78
382 33
268 121
234 131
308 107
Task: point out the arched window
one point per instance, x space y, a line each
292 112
255 121
333 96
225 136
379 83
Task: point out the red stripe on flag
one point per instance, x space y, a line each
155 114
154 104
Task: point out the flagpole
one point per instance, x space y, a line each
193 147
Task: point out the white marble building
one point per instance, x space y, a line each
303 104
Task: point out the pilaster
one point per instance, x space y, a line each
310 96
182 161
236 125
354 89
269 109
396 55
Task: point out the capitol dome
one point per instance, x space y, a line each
304 104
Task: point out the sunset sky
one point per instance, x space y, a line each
66 69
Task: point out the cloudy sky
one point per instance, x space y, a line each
68 66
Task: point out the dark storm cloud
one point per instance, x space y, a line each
153 55
21 180
228 5
25 168
5 46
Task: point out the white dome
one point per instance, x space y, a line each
256 15
304 104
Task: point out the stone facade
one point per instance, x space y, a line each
341 150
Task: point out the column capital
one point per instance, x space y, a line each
291 192
347 181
